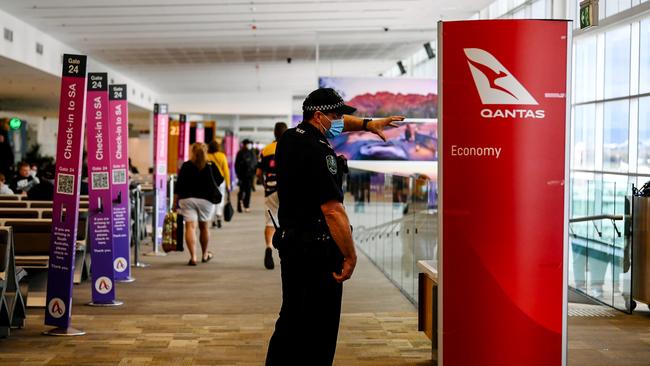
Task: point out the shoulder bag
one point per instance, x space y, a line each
215 197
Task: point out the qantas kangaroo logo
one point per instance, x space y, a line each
495 84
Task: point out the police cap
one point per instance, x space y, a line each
326 100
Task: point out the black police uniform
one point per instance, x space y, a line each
308 176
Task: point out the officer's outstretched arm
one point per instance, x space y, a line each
376 126
339 225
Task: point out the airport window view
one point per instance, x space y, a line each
311 182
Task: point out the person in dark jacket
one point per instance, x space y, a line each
245 166
23 181
196 191
6 156
44 190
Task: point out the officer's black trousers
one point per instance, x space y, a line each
244 194
306 332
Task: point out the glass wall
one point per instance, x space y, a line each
395 223
600 255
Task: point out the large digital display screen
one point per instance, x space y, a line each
415 139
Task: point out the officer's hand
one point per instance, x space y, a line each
377 126
348 267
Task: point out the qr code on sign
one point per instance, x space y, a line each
100 180
65 184
119 176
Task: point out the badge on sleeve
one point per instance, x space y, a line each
331 164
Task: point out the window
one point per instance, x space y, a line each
644 64
584 137
585 70
617 62
615 6
615 135
644 135
539 9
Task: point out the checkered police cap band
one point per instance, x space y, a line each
327 107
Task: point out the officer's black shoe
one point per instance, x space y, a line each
219 223
268 259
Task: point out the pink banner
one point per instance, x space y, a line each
200 132
160 125
119 133
65 208
183 140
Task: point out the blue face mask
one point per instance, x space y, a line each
335 129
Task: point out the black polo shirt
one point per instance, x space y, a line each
308 176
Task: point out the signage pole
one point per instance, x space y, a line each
119 134
503 121
160 123
100 207
65 207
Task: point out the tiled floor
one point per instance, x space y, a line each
223 312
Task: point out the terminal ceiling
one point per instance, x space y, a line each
149 39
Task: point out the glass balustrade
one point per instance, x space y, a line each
395 222
600 233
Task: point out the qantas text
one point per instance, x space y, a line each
513 113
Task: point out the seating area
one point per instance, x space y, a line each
12 302
31 224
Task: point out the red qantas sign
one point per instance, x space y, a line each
503 163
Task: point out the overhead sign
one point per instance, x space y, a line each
160 126
65 207
100 207
588 13
119 134
503 187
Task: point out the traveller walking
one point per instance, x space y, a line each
197 192
267 173
315 238
221 162
245 164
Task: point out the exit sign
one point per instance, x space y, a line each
588 13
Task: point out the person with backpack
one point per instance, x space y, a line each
266 172
245 165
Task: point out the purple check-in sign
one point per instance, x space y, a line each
119 135
100 208
65 207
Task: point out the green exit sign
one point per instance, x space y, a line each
15 123
588 13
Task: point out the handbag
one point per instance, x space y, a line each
169 239
228 211
216 195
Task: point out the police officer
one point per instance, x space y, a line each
315 238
